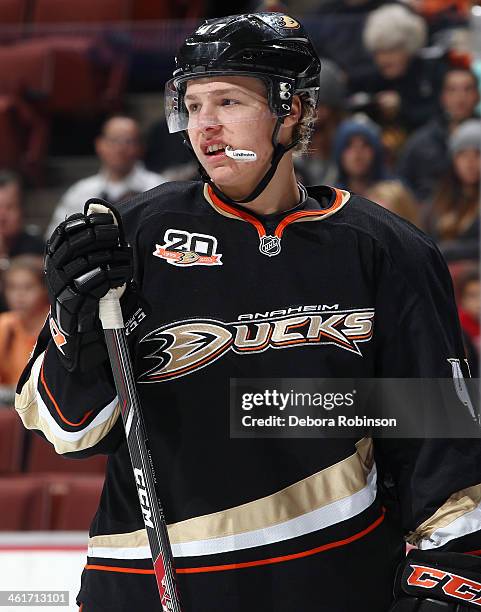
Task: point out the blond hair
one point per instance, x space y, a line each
305 126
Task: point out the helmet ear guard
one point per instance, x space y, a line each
281 91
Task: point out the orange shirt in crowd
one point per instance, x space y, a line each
16 344
429 8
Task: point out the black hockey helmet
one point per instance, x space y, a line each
273 47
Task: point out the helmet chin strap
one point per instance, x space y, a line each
278 153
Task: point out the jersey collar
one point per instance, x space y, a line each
337 199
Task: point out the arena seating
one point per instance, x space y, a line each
24 136
13 12
26 68
63 74
25 504
74 500
51 492
71 61
74 76
43 458
13 130
60 11
11 441
49 501
25 82
146 10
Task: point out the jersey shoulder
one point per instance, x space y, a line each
173 197
408 248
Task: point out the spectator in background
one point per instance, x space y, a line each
397 198
442 14
454 217
168 155
15 238
406 86
359 155
425 157
122 174
430 8
469 305
27 300
318 166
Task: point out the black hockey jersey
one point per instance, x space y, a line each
337 287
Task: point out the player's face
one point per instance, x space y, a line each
230 111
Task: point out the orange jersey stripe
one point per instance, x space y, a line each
295 216
65 420
237 213
309 213
300 555
234 566
122 570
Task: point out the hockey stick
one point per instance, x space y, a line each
111 318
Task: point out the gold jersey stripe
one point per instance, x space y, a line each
27 406
459 504
336 482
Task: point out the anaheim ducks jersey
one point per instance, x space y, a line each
336 287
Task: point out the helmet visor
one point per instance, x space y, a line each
216 99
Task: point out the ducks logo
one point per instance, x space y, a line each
181 348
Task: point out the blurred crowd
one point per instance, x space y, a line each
397 123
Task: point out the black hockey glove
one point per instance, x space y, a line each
435 581
86 256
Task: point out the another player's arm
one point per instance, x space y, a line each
66 392
437 481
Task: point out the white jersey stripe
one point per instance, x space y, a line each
463 525
57 431
325 516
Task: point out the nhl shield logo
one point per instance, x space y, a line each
270 245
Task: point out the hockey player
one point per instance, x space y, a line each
271 525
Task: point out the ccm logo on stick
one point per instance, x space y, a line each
451 584
144 499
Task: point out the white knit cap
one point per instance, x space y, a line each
466 136
394 26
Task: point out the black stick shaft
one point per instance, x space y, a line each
137 442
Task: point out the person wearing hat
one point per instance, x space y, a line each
454 215
425 157
359 154
406 85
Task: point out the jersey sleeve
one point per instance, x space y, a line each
78 413
436 481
